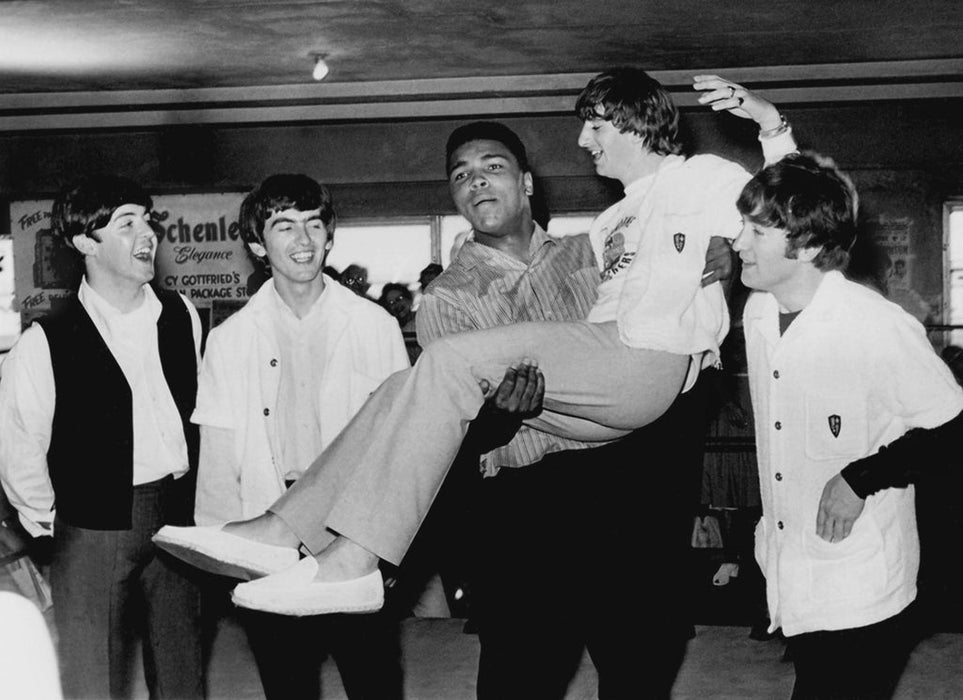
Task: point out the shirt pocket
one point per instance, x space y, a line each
836 427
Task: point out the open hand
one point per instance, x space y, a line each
520 392
721 94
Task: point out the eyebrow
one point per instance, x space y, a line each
290 219
484 156
129 214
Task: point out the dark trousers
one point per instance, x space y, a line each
110 587
289 652
862 663
590 548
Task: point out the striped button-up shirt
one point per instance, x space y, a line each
484 287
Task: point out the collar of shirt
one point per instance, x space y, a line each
644 183
826 303
116 327
283 313
473 253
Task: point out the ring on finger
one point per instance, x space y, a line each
741 100
732 92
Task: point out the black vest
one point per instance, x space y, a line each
91 455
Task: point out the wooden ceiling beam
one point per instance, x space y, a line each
456 98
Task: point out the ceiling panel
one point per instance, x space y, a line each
96 45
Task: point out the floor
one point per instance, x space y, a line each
722 662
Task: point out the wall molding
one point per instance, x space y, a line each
456 97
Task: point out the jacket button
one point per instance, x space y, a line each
274 363
778 425
778 476
775 374
780 525
267 411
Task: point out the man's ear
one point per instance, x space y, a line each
809 253
258 249
85 245
529 184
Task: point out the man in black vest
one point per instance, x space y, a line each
96 449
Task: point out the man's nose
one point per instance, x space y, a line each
478 180
302 229
147 228
583 135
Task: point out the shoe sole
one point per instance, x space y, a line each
293 609
206 560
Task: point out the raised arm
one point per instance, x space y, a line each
720 94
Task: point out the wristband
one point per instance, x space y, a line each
779 130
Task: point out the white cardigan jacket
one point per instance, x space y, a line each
238 389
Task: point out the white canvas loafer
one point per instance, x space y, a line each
218 552
295 592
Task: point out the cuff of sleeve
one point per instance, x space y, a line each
36 528
862 477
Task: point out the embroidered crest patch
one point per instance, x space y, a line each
679 241
835 424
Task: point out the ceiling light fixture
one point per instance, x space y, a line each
320 67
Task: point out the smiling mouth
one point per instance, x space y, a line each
303 257
144 254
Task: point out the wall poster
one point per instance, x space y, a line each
200 254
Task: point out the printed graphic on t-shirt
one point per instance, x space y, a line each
615 257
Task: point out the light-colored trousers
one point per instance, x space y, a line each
376 481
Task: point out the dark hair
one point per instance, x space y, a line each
486 131
280 192
431 270
395 287
808 197
633 101
86 206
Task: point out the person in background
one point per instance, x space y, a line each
97 451
355 278
428 275
398 300
850 403
280 378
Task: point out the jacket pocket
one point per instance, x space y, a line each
853 569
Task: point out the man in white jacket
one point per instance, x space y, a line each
850 404
279 381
